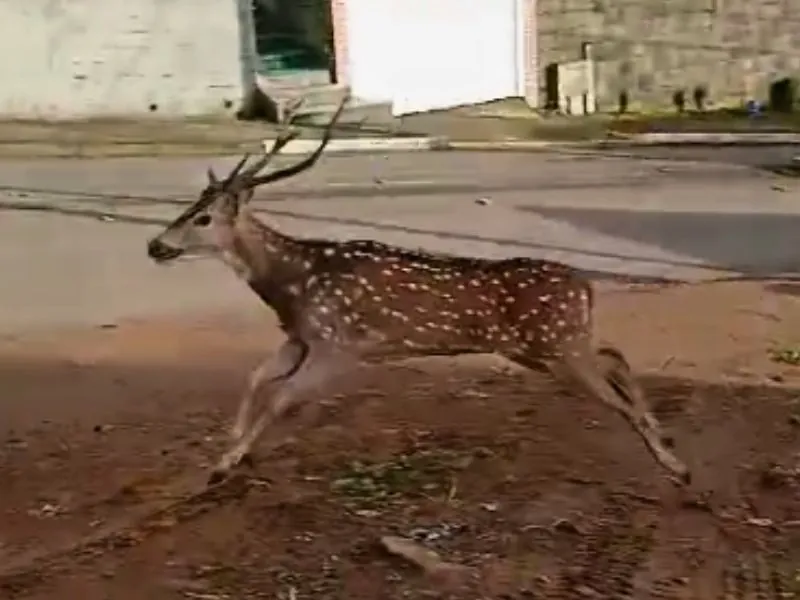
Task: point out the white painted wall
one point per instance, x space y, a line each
431 54
88 58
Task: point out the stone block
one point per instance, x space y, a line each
650 47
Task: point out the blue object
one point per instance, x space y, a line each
754 108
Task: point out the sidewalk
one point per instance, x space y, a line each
497 126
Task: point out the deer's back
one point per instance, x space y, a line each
405 302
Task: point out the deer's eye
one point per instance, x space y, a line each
202 220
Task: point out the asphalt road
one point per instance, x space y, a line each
72 232
758 156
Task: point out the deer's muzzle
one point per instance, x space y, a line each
161 252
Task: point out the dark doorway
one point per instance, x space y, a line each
294 38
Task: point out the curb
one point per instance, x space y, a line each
345 145
704 139
643 140
506 145
430 143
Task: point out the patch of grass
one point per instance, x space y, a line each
723 119
571 130
422 473
600 126
789 355
793 584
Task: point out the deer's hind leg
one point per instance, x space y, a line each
617 372
606 377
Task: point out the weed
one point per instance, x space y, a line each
426 472
789 355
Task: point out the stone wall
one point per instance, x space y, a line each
87 58
651 48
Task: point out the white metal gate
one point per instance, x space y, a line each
430 54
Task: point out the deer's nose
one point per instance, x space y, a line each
154 248
158 250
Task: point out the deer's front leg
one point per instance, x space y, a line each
316 367
271 371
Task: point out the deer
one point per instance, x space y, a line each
342 304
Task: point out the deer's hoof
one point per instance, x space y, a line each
686 478
217 476
682 479
248 461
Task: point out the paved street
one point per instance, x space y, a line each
751 155
79 257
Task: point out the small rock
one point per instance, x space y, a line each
16 444
565 526
474 394
483 452
760 522
490 506
425 558
191 585
483 202
45 511
586 592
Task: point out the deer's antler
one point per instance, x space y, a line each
285 135
249 178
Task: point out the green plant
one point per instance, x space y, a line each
789 355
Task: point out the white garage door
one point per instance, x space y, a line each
428 54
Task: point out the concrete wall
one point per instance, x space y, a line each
653 47
90 58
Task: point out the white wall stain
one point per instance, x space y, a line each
83 58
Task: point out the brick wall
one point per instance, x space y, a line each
651 48
80 58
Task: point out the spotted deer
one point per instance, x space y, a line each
346 303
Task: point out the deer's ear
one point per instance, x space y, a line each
212 178
245 196
226 205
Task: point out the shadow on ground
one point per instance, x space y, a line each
784 288
531 490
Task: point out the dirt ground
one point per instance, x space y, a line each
523 488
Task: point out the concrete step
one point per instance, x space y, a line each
374 118
321 98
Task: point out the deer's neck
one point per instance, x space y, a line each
254 249
272 263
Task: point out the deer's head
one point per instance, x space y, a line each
209 226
